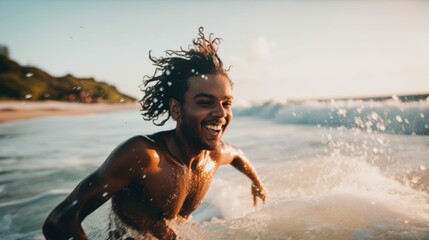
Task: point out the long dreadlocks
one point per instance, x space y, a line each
170 79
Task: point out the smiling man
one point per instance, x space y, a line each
156 178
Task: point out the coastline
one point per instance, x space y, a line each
21 110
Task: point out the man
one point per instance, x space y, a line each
156 178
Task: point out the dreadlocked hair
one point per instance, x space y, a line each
170 79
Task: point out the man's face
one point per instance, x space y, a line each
206 111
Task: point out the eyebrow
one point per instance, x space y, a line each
210 96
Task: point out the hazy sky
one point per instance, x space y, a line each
277 49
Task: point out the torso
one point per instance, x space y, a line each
165 188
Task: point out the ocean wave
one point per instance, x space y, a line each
320 198
390 116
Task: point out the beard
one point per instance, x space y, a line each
197 137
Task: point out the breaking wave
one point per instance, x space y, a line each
390 116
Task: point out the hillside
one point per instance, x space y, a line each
33 84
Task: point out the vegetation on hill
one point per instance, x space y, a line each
32 84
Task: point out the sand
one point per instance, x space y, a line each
19 110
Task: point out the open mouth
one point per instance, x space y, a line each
214 129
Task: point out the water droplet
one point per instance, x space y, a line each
422 115
106 185
151 199
359 122
169 83
29 74
105 194
359 110
130 169
426 126
161 89
398 118
374 116
167 72
422 167
28 96
406 121
192 70
203 76
394 97
74 202
155 99
144 176
368 124
294 114
342 112
122 100
406 221
381 127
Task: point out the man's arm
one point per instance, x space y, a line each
240 162
65 220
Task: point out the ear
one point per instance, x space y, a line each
174 109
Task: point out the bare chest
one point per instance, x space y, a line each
178 191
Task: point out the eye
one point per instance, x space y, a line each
227 104
204 103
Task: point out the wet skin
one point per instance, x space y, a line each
159 177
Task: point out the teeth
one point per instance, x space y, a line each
214 127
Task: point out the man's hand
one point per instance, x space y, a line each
258 191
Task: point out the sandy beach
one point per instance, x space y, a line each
19 110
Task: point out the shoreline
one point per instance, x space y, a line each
22 110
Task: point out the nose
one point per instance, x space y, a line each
219 111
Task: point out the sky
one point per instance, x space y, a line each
276 49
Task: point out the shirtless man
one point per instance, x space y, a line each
156 178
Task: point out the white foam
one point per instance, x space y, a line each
320 198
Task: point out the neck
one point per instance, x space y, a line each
184 151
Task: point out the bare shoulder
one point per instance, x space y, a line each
137 143
226 153
135 150
134 145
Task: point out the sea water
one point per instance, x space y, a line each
332 170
